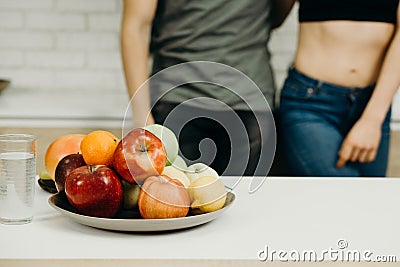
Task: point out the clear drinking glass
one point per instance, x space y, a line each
17 177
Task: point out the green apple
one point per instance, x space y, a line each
198 170
179 163
45 176
177 174
168 139
131 195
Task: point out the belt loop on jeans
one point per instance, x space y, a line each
318 87
351 97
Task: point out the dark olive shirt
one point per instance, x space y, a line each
231 32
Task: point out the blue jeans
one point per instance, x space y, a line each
315 117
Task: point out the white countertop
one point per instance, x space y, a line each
284 214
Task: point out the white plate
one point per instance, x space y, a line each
131 221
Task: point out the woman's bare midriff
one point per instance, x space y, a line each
344 53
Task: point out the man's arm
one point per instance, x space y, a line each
136 24
280 10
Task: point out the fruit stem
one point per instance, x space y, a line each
142 148
91 168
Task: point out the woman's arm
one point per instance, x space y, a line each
362 142
136 24
280 10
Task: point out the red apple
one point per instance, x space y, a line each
162 197
59 148
94 190
139 154
66 165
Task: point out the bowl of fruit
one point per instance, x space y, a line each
136 183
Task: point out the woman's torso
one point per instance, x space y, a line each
344 51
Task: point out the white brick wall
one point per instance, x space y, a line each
88 41
10 20
11 59
55 59
87 6
104 22
25 40
63 59
26 5
55 21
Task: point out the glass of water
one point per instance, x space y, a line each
17 177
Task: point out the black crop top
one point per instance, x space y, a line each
356 10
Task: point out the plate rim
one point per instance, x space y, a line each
123 224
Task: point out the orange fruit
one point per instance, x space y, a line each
98 147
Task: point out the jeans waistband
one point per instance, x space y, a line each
327 87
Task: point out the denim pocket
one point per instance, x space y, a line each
296 90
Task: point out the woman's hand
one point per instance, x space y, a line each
361 143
